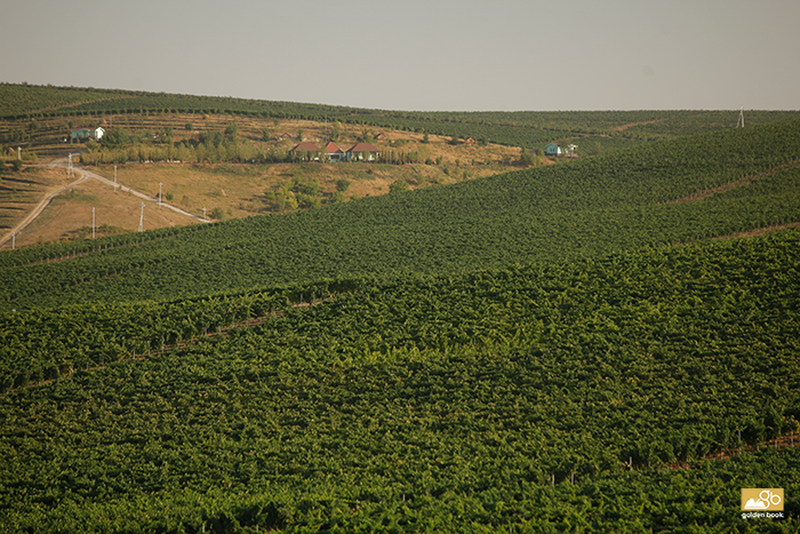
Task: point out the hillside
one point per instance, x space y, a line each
223 158
22 107
617 201
539 398
247 173
580 347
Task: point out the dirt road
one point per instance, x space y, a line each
83 175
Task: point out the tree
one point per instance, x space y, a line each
526 158
342 184
231 132
116 138
398 186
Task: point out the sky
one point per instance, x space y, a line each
430 55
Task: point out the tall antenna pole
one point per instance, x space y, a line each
141 219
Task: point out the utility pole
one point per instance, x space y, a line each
93 223
115 178
204 213
14 241
159 195
141 219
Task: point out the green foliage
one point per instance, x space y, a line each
398 186
527 352
116 138
231 132
609 129
342 184
526 158
581 209
446 402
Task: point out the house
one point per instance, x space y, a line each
469 141
571 149
333 152
363 152
552 149
306 151
88 133
82 133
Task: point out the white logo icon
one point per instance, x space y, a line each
765 499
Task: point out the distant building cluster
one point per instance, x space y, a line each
554 149
332 152
88 133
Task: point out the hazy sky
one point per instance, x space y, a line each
419 55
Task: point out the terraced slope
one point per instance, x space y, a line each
597 130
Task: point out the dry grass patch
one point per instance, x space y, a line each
69 216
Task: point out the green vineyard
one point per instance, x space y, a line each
605 129
602 345
613 202
416 403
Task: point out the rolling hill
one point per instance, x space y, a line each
612 202
582 347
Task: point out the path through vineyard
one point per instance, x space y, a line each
781 442
744 180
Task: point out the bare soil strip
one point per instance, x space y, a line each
781 442
758 231
707 193
632 124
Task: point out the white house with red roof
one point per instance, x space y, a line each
333 152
